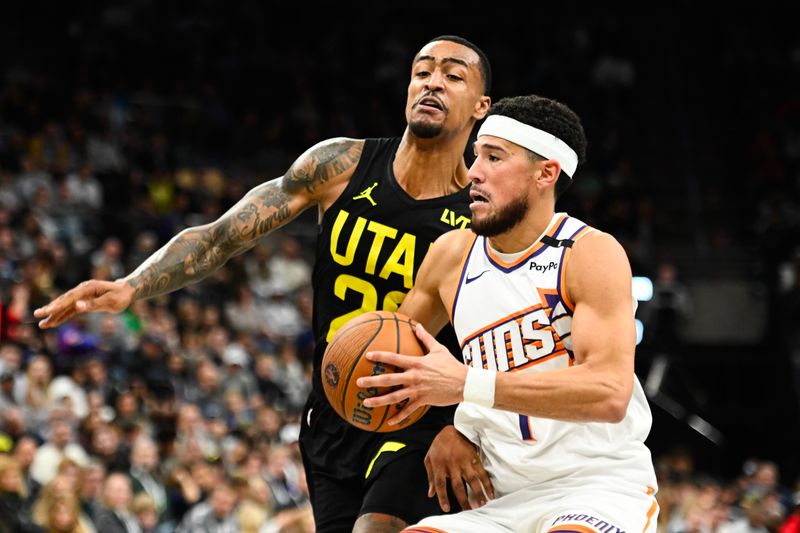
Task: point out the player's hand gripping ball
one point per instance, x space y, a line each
344 362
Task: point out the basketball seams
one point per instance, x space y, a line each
358 359
346 352
388 408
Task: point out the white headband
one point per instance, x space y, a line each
534 139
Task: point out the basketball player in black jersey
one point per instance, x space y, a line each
381 203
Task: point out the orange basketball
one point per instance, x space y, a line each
344 362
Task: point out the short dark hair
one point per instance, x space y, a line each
483 62
548 115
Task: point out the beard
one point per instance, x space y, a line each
425 130
501 221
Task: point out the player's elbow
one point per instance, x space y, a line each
616 404
615 411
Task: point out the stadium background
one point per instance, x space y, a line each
693 159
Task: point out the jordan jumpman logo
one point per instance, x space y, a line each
367 193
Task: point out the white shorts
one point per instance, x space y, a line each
589 509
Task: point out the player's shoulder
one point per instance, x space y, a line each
597 243
597 256
451 245
323 170
336 147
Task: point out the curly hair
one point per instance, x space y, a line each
548 115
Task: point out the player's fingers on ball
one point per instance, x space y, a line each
402 415
382 357
385 399
384 380
427 339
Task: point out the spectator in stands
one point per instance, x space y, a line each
7 390
237 374
59 446
64 516
24 453
668 311
289 265
85 189
93 475
14 514
59 488
31 391
114 514
145 474
216 513
144 509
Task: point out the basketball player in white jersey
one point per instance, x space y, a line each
543 309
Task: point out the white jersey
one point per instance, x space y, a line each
511 314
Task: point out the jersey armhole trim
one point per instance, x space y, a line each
463 267
562 275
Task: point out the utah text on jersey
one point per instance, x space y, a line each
379 252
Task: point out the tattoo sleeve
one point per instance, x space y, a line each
197 252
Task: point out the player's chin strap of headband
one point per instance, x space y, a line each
536 140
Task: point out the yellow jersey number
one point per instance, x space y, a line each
369 300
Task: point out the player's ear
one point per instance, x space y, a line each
550 170
482 107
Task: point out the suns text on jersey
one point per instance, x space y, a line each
514 342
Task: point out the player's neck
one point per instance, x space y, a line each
429 168
524 234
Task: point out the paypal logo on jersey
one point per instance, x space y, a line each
543 267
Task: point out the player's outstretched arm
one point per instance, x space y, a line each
316 178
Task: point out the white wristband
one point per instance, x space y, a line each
479 386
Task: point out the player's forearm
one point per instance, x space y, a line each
577 394
190 256
197 252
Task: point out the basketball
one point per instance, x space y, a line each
344 362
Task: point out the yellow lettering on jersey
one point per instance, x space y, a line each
445 216
381 231
352 243
369 299
402 260
449 218
392 301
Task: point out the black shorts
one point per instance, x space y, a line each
351 472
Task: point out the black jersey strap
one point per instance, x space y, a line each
557 243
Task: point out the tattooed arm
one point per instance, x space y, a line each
316 178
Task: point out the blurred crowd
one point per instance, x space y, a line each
755 501
182 413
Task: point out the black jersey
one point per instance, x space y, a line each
371 243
